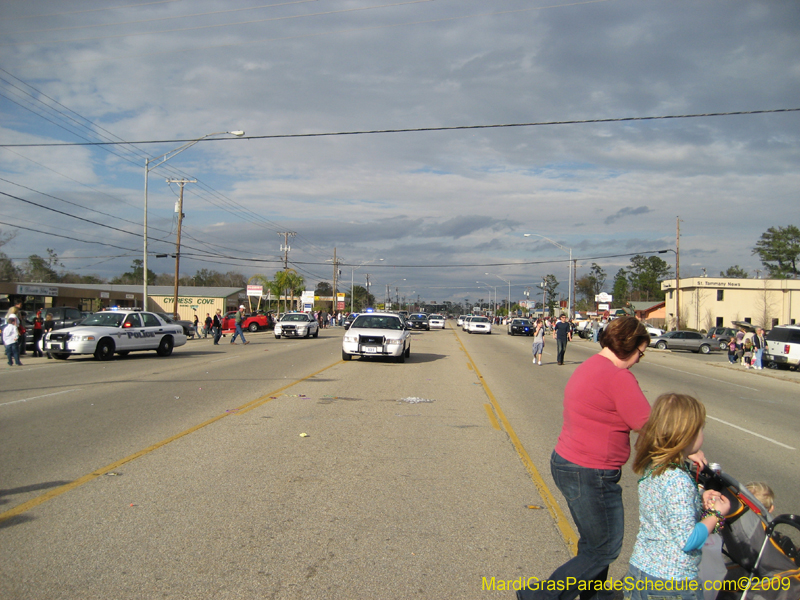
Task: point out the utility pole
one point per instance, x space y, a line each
335 276
285 247
180 182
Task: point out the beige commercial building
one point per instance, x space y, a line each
92 297
707 302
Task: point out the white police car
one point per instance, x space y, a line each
296 324
115 332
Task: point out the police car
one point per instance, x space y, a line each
296 324
115 332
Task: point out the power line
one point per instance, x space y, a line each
498 264
25 187
421 129
66 237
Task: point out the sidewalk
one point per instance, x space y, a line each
782 374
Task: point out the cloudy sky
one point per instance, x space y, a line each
441 207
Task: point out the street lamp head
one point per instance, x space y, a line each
237 133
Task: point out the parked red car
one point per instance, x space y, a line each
252 322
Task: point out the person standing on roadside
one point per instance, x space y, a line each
595 329
47 327
562 333
207 325
603 403
759 343
11 340
238 320
38 331
16 309
216 326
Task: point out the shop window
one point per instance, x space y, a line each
748 320
720 295
774 323
720 321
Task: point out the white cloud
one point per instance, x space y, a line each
416 197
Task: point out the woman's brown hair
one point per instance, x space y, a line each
675 420
623 336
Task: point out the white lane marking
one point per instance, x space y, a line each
703 376
758 435
37 397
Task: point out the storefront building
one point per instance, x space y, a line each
707 302
95 297
196 300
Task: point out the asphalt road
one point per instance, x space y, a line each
187 476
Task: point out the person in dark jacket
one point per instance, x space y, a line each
207 325
562 334
38 332
760 345
47 327
216 325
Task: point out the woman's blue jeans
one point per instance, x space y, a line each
594 498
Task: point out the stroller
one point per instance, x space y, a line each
763 563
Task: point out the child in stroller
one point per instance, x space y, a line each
764 563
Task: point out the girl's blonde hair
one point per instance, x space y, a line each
674 423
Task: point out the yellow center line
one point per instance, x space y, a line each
492 418
26 506
567 533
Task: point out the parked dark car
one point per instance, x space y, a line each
418 321
348 320
188 327
28 323
63 316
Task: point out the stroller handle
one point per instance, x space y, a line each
793 520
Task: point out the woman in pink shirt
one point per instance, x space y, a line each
603 403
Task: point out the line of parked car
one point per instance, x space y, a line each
783 342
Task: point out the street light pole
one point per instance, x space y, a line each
494 312
352 280
508 302
389 295
565 249
147 168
